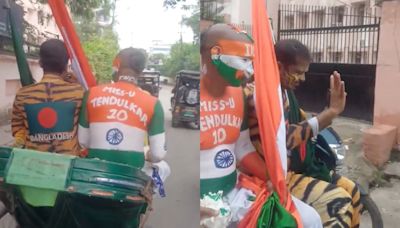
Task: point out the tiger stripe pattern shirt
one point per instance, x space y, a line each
45 115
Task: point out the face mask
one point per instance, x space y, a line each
233 60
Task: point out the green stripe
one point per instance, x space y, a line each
245 123
83 116
213 185
23 66
132 158
157 121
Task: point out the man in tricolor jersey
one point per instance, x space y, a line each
45 114
116 119
225 146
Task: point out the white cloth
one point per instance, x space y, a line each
162 167
309 215
313 122
239 203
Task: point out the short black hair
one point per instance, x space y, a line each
134 59
53 56
289 51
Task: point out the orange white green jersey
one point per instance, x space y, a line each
115 121
224 139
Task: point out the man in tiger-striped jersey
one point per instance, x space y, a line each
45 118
226 57
45 114
338 200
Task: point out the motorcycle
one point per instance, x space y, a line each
332 151
185 102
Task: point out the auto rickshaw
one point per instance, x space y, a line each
150 81
72 187
185 102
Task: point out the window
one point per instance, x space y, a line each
339 14
356 57
12 87
319 18
289 22
303 20
360 12
336 57
40 17
316 57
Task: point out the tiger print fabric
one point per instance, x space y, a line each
51 89
338 203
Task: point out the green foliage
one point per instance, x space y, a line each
85 8
194 23
184 56
101 51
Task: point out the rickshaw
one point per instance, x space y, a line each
185 102
72 187
150 81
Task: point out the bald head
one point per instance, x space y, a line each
212 35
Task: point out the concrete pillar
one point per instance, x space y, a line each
387 87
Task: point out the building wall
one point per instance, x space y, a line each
9 82
41 27
346 46
239 12
387 92
41 22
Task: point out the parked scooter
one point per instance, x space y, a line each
334 159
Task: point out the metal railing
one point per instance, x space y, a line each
210 10
334 34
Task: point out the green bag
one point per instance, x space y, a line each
274 215
311 166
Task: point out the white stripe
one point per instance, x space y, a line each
74 62
243 146
132 138
83 136
281 135
208 168
313 122
157 147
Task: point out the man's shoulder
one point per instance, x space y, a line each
28 90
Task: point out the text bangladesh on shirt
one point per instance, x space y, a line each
50 121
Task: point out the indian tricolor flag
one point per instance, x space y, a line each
271 121
80 64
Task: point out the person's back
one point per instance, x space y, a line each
116 118
45 114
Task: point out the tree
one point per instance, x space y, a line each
101 51
85 8
183 56
194 23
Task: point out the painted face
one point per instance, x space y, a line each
234 60
295 74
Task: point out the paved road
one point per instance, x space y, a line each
181 206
